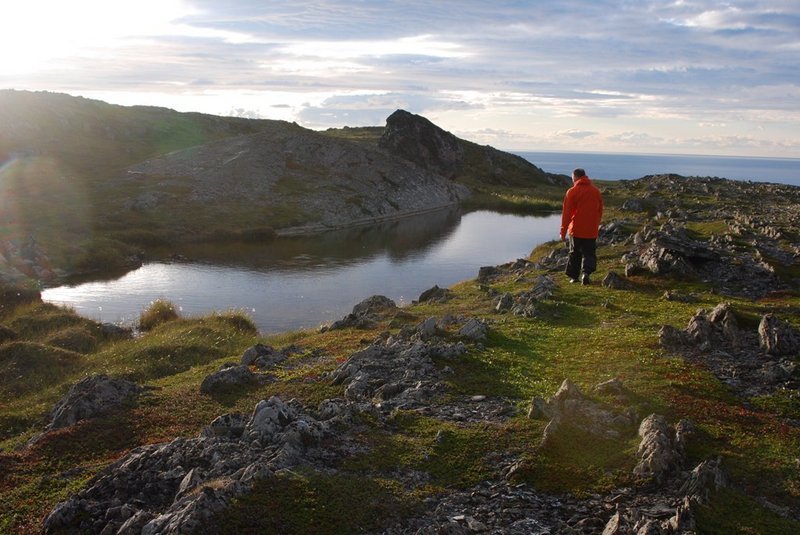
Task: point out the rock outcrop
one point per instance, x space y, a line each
569 407
751 362
416 139
91 397
176 487
755 255
365 314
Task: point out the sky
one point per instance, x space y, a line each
641 76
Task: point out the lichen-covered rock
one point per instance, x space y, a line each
778 337
662 449
475 330
396 372
366 313
91 397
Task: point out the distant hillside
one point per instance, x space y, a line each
93 136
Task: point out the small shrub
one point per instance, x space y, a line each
160 311
238 321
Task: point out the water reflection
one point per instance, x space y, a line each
303 282
400 239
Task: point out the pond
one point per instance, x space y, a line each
305 282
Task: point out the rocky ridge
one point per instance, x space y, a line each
341 183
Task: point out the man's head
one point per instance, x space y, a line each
577 174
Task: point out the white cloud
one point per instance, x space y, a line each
419 45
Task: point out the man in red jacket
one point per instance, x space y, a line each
580 220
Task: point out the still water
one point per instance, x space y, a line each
295 283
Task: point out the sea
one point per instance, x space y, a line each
618 166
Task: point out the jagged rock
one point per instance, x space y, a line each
416 139
568 406
91 397
435 295
613 232
705 479
556 260
395 372
176 487
662 450
614 281
633 268
719 326
366 313
428 328
487 272
228 425
503 302
671 337
777 337
475 330
612 386
227 376
738 357
524 303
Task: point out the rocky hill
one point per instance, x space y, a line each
92 184
285 177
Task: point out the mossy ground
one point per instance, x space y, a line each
587 334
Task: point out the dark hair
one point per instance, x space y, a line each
579 172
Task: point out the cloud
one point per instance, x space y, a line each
577 134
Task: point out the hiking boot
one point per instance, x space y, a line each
573 281
585 280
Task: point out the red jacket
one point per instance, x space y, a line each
583 209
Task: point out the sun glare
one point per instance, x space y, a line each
36 34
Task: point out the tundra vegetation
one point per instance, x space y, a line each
398 462
507 403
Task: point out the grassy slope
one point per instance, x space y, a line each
587 334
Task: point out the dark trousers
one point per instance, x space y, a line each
582 255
